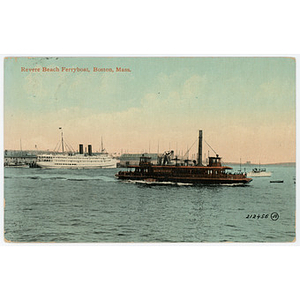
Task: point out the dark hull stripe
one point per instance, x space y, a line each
187 180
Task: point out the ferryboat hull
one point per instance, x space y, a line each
193 180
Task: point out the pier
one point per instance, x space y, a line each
13 158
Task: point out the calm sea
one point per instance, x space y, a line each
93 206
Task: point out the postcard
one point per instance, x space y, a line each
149 149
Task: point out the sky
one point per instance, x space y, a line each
246 107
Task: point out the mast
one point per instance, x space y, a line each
188 152
200 149
62 140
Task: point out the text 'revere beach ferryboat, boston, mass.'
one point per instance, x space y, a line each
213 173
72 160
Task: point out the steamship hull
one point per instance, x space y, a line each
76 162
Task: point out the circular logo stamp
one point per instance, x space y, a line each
274 216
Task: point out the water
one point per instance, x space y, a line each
93 206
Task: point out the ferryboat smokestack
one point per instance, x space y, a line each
80 148
90 149
200 149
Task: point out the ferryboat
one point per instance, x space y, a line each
213 173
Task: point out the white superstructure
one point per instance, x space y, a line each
76 161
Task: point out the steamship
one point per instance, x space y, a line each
79 160
164 171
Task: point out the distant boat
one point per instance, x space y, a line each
258 172
17 165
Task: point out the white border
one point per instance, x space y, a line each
208 28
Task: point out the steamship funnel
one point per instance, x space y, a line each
80 148
90 149
200 149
